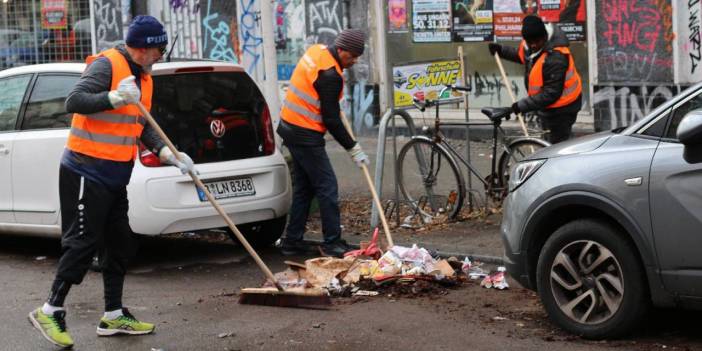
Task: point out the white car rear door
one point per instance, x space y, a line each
13 90
38 149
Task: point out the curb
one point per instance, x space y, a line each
473 257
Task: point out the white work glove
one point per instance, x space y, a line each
127 93
358 156
185 164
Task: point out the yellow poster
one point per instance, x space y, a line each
424 81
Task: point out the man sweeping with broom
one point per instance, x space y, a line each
554 85
311 108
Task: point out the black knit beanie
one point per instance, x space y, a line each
351 40
533 28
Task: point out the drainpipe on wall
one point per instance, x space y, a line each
378 36
270 68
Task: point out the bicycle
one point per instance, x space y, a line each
429 178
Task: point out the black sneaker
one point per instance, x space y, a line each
296 248
335 249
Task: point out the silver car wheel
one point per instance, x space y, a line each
587 282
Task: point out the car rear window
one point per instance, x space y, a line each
213 116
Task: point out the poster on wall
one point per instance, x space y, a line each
568 14
508 16
472 20
53 14
424 81
431 21
397 16
634 41
289 31
690 42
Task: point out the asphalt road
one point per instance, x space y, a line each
189 288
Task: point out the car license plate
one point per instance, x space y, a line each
223 189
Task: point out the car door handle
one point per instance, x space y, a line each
4 150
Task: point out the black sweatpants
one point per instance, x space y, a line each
559 126
93 218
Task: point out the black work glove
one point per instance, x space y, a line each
495 48
515 108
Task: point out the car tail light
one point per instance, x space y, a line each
268 136
148 158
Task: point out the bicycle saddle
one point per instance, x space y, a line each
497 113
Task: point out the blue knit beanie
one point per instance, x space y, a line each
146 32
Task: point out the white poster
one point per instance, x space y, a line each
431 21
689 42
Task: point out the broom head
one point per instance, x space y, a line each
310 298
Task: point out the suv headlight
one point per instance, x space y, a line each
522 171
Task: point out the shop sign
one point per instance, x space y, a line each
424 81
53 14
431 21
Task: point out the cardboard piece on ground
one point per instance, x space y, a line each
295 265
320 271
445 268
288 279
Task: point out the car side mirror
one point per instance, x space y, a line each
690 134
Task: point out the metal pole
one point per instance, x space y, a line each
269 60
465 105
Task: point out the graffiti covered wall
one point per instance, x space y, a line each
689 41
323 20
219 31
634 60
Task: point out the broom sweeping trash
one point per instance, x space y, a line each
254 296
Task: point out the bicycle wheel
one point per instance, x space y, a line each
515 152
429 178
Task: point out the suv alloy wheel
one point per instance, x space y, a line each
591 281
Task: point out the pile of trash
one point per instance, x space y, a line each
368 271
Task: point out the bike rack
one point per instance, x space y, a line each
389 116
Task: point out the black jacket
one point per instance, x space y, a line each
329 85
554 71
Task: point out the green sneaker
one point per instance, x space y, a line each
52 327
125 324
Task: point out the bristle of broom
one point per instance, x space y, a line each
282 298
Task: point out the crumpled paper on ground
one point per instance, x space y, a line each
288 279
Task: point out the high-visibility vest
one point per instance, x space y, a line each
112 134
572 86
301 106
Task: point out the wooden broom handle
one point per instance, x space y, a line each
211 198
509 90
369 181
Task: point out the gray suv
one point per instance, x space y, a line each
605 225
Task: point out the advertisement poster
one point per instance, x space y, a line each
431 21
53 14
424 81
289 31
472 20
568 14
508 16
397 16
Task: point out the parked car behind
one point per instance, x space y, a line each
213 111
605 225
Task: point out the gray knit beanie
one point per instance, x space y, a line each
351 40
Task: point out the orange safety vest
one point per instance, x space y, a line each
572 86
112 134
302 106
